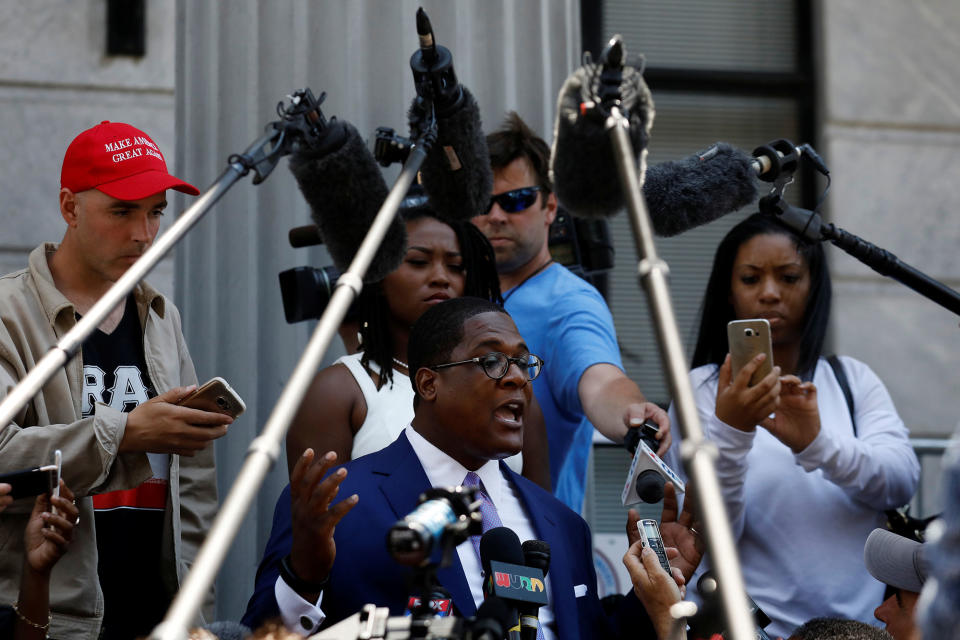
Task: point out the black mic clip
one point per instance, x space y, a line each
301 124
433 75
611 75
807 223
611 82
781 159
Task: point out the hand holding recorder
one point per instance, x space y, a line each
678 531
657 589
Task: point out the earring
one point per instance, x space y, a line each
360 333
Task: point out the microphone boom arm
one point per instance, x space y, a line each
698 454
811 226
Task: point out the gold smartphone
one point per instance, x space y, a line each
746 339
217 396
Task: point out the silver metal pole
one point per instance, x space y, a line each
265 449
698 453
70 344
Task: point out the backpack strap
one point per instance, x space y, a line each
898 522
841 376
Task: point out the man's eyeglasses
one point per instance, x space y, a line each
516 200
496 364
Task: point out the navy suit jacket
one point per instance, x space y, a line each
389 483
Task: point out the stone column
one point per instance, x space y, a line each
891 133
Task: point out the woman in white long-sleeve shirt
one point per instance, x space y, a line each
803 485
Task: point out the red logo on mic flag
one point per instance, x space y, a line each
517 582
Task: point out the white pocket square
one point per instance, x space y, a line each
579 590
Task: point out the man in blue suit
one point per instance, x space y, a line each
322 565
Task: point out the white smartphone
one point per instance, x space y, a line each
217 396
650 538
746 339
55 480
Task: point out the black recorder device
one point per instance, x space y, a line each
650 537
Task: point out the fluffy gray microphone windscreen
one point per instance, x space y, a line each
456 173
583 164
680 195
345 189
687 193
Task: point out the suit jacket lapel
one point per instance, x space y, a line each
547 526
404 480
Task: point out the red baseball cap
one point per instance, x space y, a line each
119 160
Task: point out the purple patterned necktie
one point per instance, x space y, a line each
488 512
489 516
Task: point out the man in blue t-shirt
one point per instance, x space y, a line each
562 318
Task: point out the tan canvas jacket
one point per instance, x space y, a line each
34 315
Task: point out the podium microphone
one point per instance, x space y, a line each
442 515
536 555
506 576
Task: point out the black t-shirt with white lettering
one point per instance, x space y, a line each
129 523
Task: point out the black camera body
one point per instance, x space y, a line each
583 246
306 292
389 147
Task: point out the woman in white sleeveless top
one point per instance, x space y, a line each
362 402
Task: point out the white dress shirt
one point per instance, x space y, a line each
301 616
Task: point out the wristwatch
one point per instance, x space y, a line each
297 583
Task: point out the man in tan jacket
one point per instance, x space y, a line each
141 466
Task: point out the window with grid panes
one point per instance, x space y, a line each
738 71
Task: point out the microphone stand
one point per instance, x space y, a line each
809 225
266 448
302 118
776 162
698 454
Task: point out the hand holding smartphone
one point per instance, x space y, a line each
216 396
746 339
55 480
32 482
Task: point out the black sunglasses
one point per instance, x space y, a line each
516 200
496 364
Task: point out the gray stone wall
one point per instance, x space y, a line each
55 81
891 135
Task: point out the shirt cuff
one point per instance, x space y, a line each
298 615
815 453
730 438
